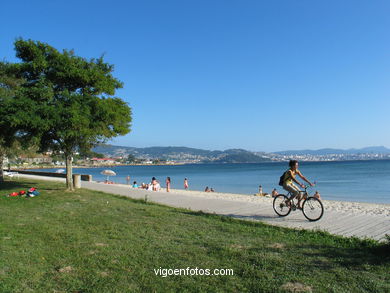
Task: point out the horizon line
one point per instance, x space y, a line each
238 148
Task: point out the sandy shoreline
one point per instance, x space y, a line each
329 205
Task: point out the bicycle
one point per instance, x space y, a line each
312 207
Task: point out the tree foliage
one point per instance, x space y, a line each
131 158
66 102
9 82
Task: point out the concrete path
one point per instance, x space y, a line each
343 223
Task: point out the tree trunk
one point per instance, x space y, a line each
69 179
1 167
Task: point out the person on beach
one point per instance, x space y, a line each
211 189
128 179
207 189
135 185
154 184
274 193
290 178
317 195
168 183
185 184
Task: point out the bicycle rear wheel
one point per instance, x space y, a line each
312 209
280 206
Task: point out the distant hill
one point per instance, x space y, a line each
244 157
193 155
183 154
152 152
329 151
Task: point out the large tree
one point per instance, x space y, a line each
67 102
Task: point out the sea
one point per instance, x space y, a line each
360 181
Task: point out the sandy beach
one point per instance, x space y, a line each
344 206
329 205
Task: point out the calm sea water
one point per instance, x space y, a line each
363 181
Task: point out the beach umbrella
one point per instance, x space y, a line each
108 173
59 171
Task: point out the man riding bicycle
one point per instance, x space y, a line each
290 178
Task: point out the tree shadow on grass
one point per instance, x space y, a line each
351 252
10 185
356 256
15 185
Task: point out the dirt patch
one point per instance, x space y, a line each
101 244
296 287
238 246
104 274
67 269
277 245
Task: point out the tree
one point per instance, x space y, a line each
8 85
131 158
67 102
91 154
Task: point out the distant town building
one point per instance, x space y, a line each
103 161
38 159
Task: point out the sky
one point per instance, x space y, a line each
220 74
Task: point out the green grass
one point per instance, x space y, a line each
89 241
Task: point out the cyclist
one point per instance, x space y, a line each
290 178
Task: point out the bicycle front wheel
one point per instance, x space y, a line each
280 205
312 209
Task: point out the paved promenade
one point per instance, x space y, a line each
360 222
336 222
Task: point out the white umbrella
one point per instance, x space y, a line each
108 173
60 171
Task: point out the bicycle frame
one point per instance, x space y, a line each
304 192
308 204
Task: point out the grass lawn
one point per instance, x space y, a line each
90 241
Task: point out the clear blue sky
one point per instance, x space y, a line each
218 74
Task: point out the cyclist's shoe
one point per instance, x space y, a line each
287 203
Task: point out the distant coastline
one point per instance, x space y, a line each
186 155
181 164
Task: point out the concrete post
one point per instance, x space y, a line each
77 181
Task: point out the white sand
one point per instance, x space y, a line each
329 205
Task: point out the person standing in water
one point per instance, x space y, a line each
168 183
185 184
